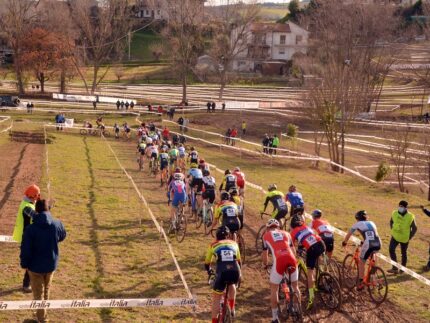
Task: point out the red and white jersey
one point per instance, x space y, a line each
322 227
240 179
278 241
305 236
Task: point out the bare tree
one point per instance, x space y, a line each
16 19
349 55
103 28
183 37
399 153
231 32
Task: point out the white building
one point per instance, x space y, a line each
270 46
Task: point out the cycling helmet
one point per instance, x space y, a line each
272 223
272 187
192 148
225 196
193 165
316 214
177 176
237 169
233 191
149 140
298 211
227 172
206 172
296 222
361 215
164 148
201 161
32 192
177 170
292 188
222 233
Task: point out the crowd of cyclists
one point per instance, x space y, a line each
281 242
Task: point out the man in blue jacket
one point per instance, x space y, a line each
39 252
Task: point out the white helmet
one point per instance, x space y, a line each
149 140
272 223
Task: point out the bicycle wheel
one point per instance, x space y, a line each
83 132
226 318
199 220
303 286
259 239
296 312
334 269
377 285
106 133
209 220
349 272
242 247
181 227
329 291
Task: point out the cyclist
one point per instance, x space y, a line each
280 208
141 151
227 255
182 155
295 198
283 254
173 155
324 230
208 187
195 177
193 156
203 165
116 130
228 182
314 247
177 173
371 243
100 123
126 129
151 152
234 197
164 163
227 213
240 180
178 195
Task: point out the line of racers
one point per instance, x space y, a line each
316 239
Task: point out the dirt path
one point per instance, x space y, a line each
20 165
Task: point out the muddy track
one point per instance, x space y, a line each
20 166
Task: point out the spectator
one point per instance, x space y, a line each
181 123
149 108
127 105
209 107
227 136
403 229
213 106
160 109
165 133
243 128
175 139
182 139
28 107
118 104
95 105
23 219
275 143
265 143
427 212
172 113
122 104
132 105
116 130
426 117
223 107
233 136
39 253
270 144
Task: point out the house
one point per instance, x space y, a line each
270 46
159 10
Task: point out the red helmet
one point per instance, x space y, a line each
32 192
201 161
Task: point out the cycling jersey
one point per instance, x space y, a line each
295 199
227 256
203 167
279 243
228 182
277 200
305 236
142 147
368 231
173 154
177 187
164 160
322 227
194 156
151 149
181 151
195 173
240 179
209 183
228 215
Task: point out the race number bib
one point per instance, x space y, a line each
370 235
231 212
277 236
227 255
311 240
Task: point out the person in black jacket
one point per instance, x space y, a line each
266 142
39 252
427 212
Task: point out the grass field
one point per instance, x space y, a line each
109 253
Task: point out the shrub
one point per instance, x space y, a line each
383 171
292 130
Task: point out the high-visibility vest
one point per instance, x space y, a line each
19 224
401 229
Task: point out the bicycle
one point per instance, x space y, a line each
374 278
153 166
225 313
330 266
207 217
164 176
262 231
180 221
327 287
140 161
289 304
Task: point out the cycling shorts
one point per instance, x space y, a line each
329 242
280 266
233 224
226 277
313 253
194 161
163 164
281 214
209 195
369 247
179 198
154 155
197 182
172 160
229 186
